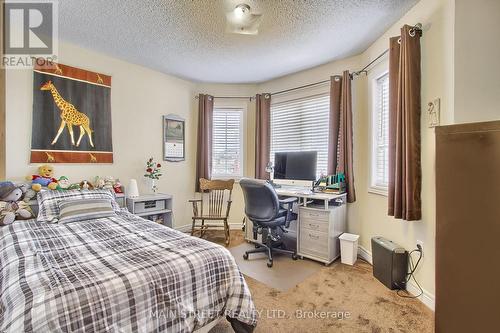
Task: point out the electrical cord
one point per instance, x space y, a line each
411 274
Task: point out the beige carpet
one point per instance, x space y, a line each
285 273
334 290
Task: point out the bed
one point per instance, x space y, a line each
116 274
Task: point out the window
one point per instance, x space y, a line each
302 125
380 136
227 142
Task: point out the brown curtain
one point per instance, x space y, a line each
340 142
204 150
340 153
262 134
405 175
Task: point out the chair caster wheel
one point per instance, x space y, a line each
294 256
245 256
270 264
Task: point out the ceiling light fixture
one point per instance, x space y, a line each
241 20
241 10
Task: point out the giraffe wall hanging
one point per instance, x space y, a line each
71 116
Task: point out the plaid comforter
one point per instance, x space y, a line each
117 274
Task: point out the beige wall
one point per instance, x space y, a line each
477 66
139 98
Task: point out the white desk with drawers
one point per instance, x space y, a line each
321 220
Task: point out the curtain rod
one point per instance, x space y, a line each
364 69
416 27
325 81
301 87
235 97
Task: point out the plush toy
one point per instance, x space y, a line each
118 187
86 185
29 193
99 183
65 184
44 178
109 182
12 206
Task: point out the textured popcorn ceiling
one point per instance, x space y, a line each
188 39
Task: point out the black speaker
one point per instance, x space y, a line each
390 263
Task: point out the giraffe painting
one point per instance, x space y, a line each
70 117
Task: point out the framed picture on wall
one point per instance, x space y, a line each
174 148
71 116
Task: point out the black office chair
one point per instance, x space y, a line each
270 217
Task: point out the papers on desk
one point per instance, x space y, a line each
305 192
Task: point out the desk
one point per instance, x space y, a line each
304 195
318 226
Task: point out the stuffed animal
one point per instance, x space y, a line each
118 187
109 182
12 206
65 184
86 185
44 178
99 183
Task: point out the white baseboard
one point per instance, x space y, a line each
364 254
427 298
187 227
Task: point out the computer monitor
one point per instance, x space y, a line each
295 168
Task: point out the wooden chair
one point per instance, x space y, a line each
210 207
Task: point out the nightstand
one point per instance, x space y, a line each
154 207
120 199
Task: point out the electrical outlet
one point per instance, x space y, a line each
421 244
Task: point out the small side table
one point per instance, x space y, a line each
154 207
120 199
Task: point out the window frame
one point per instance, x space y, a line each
242 158
373 187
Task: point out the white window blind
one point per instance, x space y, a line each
380 155
302 125
227 143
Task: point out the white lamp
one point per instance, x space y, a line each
133 190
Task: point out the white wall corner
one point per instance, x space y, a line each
427 298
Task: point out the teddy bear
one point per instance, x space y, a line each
12 206
44 178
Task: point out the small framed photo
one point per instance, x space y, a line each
174 148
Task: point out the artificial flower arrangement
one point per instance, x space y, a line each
153 172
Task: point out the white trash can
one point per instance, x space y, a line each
348 248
